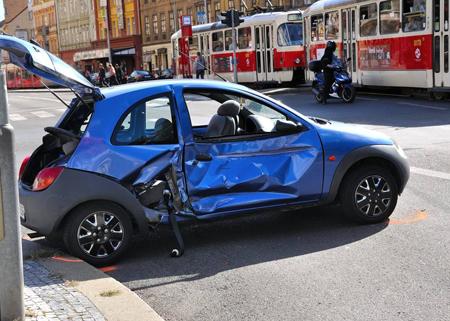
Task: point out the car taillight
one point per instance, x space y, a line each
23 166
46 177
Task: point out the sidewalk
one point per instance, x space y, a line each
63 288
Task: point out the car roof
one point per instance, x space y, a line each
126 89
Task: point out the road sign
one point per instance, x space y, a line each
201 17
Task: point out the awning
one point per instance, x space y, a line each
125 52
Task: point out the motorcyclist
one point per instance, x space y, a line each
328 59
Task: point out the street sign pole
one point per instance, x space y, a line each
11 267
233 35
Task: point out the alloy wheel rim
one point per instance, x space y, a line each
373 196
100 234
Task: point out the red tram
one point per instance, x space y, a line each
17 78
269 48
395 43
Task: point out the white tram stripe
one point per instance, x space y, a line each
61 110
422 106
42 114
16 117
430 173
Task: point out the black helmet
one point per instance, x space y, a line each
331 45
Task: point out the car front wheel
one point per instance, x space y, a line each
98 233
369 194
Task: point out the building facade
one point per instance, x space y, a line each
121 19
45 28
18 19
76 30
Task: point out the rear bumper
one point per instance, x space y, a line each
45 211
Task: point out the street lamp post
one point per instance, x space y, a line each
11 266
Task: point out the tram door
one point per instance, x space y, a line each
204 49
264 53
350 49
441 43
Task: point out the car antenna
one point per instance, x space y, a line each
54 94
215 74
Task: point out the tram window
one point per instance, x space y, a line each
244 38
317 28
332 25
446 9
389 16
290 34
445 53
344 25
217 41
437 15
229 40
414 15
437 54
368 20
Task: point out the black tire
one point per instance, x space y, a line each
108 243
348 94
357 195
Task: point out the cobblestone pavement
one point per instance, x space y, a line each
49 298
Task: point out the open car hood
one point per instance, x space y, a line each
46 65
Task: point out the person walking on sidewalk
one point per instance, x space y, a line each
200 66
102 76
112 75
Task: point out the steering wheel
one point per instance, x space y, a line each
62 133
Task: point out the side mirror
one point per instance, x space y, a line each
287 126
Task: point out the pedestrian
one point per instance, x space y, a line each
200 66
119 74
327 61
102 75
112 75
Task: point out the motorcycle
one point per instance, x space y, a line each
342 87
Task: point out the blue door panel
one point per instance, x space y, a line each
245 174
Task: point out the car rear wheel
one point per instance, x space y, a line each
369 194
98 233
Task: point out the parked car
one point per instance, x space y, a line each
125 158
166 74
140 75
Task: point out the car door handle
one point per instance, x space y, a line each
203 157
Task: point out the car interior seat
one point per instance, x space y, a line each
225 122
163 131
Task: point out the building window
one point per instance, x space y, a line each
147 26
171 22
217 10
230 4
163 23
155 24
180 13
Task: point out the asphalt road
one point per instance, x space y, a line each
311 264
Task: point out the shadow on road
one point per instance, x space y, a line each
372 109
226 245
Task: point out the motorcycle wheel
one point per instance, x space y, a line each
348 94
319 98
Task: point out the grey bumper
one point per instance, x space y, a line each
44 211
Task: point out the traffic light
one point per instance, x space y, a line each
231 16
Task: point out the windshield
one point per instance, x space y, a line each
290 34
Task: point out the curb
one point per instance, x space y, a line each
121 305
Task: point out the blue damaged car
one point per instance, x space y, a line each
122 160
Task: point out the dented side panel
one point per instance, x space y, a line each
244 174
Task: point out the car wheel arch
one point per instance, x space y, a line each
59 227
380 155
